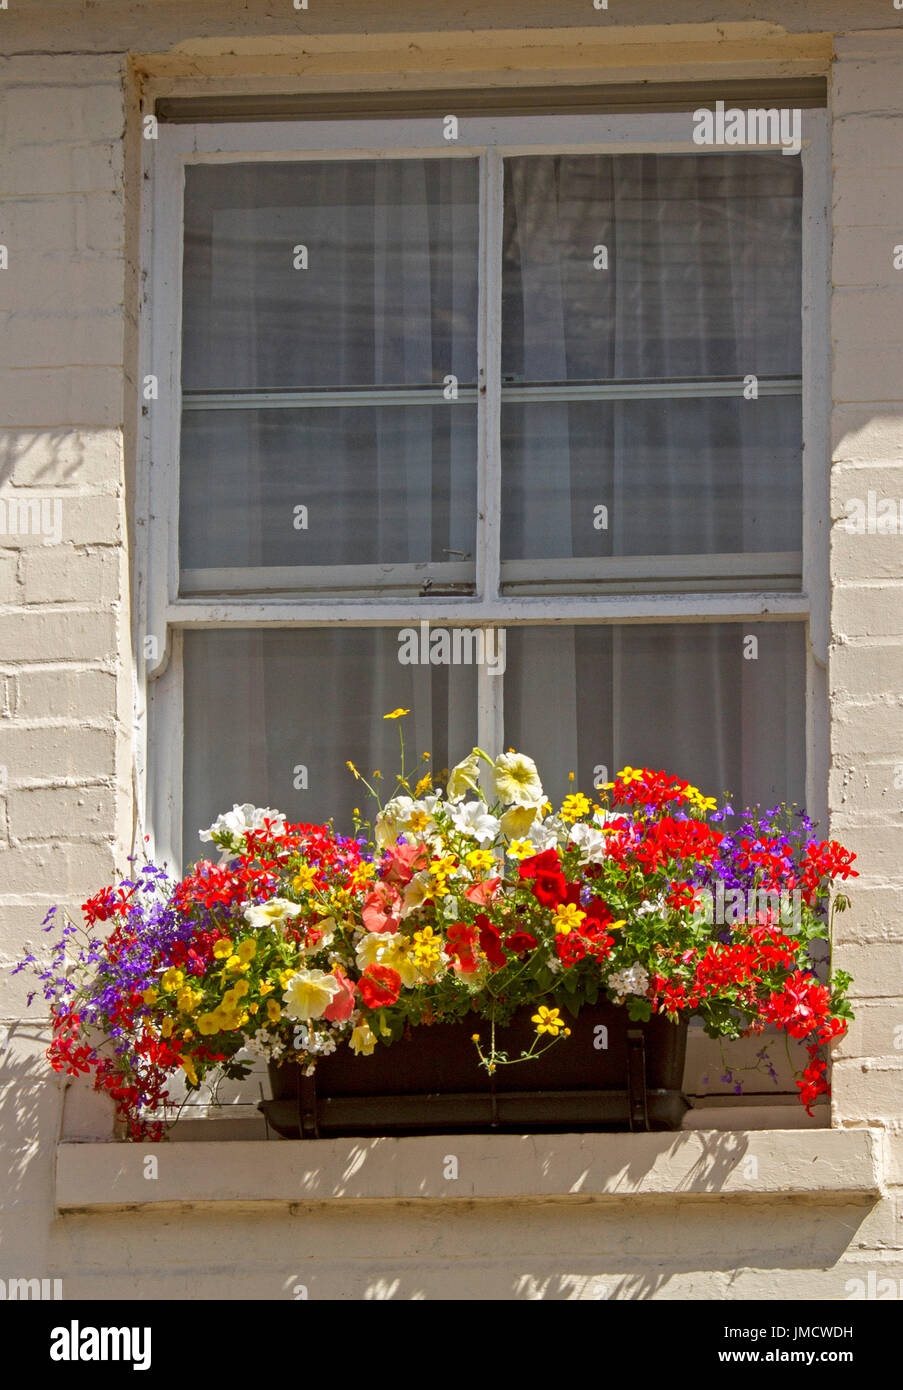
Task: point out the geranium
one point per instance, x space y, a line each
379 986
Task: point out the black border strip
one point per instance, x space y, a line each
562 100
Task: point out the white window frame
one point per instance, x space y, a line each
163 612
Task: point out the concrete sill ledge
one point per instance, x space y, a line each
828 1165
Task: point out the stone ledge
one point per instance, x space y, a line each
827 1165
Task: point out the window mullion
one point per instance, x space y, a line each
489 463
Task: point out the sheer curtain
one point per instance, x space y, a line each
388 299
702 281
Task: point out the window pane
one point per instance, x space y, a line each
682 697
649 270
329 277
260 706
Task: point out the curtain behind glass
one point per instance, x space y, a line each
260 704
682 697
389 298
703 280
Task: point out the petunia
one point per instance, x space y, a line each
309 993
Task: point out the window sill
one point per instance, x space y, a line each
831 1165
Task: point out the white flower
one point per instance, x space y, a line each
464 777
272 914
634 979
516 780
234 825
590 842
517 820
472 818
309 993
391 820
548 833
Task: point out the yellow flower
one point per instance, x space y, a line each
304 878
521 849
396 713
630 774
427 948
247 950
150 995
567 918
208 1024
362 1040
240 989
357 775
479 859
548 1021
274 1013
424 784
574 806
266 988
226 1018
397 955
516 780
188 999
309 994
285 976
172 979
222 948
187 1036
252 1008
188 1068
166 1027
234 966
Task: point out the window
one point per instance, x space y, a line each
553 379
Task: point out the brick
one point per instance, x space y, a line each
69 457
866 373
57 574
46 115
881 477
866 787
57 755
874 917
69 396
877 1030
879 848
868 142
10 589
866 669
867 557
874 610
865 256
74 635
871 87
870 435
63 169
79 224
866 1092
48 519
64 284
35 694
868 316
48 339
868 200
73 813
67 870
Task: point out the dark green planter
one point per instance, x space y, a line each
433 1083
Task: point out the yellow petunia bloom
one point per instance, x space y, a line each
166 1027
247 950
567 918
208 1024
396 713
222 949
187 1000
548 1021
234 966
150 996
274 1013
266 987
188 1069
172 979
362 1040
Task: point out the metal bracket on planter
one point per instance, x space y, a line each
307 1107
636 1079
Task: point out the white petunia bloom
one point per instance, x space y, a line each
590 842
550 833
230 830
272 914
472 818
516 780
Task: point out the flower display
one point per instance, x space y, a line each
478 897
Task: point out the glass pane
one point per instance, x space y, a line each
650 269
703 701
329 276
377 486
266 710
676 477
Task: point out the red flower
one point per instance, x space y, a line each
402 862
461 943
379 986
490 942
550 884
380 910
482 892
343 1002
518 942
